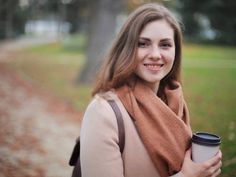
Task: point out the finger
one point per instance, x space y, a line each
220 153
219 156
217 173
217 167
214 169
214 160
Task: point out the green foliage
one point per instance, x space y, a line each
220 14
12 19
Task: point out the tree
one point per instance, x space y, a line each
12 18
221 15
102 26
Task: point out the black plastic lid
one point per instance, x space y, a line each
206 139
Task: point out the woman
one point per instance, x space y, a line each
142 74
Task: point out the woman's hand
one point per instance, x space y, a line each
209 168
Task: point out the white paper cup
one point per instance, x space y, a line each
204 146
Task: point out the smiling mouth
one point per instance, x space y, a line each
154 66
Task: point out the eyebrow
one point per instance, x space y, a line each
144 38
167 40
162 40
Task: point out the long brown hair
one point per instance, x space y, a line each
120 63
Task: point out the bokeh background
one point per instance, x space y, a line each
50 51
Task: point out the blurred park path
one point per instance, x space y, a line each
11 46
37 130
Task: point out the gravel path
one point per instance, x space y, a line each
37 130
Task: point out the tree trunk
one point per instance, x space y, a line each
101 32
9 19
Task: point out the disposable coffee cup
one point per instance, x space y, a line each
204 146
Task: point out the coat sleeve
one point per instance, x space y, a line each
100 154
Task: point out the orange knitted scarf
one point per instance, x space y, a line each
164 128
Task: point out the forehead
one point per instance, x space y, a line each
157 29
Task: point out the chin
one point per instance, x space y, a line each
154 80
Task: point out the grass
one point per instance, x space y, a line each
193 51
54 69
210 92
211 100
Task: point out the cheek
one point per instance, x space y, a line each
171 62
170 56
172 53
140 54
169 59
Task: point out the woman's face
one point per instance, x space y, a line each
156 52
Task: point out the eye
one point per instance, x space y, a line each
166 45
143 44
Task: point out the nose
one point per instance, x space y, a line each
155 53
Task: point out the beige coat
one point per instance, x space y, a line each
100 153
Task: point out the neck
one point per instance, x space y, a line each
153 86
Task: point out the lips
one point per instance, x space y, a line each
153 66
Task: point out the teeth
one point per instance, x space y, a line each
154 65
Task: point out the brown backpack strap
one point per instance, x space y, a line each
120 123
121 133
